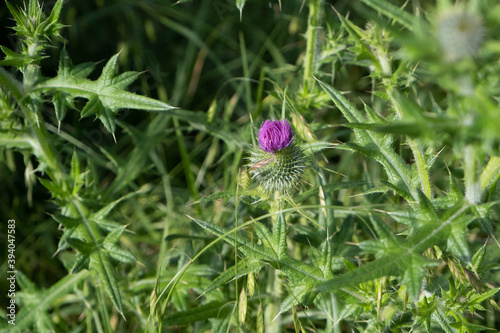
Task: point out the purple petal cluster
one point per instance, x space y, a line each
275 135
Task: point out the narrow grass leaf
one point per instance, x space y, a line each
329 188
200 313
222 195
244 244
395 13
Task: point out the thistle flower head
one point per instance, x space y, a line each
460 33
278 164
275 135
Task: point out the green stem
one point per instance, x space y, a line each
272 320
42 146
32 71
312 39
91 231
13 87
272 317
236 296
335 314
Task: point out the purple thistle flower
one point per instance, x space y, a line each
275 135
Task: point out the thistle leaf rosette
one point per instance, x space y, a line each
278 163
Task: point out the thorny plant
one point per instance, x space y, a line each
387 223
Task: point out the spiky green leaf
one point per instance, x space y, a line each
105 96
100 261
295 268
243 267
374 145
395 13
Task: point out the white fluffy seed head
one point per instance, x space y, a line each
460 33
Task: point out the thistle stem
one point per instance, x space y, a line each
272 318
13 86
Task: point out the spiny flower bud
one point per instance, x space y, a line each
460 33
278 164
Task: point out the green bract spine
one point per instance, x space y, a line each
279 171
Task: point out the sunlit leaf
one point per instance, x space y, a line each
105 96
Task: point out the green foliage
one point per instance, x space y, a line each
105 96
382 216
35 303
